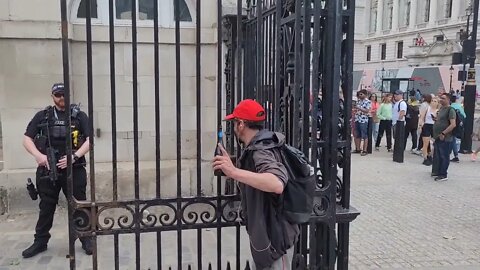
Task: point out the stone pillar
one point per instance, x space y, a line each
433 13
368 15
455 11
413 14
396 8
380 17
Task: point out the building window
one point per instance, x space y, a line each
448 9
407 14
184 13
369 53
400 49
82 9
383 51
145 10
390 17
439 38
427 11
373 16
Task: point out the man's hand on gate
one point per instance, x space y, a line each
42 160
224 163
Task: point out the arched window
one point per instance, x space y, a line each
144 10
184 13
82 9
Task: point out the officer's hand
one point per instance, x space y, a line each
223 163
42 160
62 163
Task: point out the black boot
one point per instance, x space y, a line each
34 249
87 246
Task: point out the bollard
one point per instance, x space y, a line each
398 147
370 131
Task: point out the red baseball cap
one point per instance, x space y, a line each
248 110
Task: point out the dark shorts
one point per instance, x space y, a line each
427 130
361 130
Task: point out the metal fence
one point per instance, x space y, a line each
295 57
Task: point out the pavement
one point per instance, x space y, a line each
407 221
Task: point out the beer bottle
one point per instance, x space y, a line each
218 152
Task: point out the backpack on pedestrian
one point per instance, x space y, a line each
459 129
412 111
297 197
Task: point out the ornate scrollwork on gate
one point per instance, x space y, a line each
162 215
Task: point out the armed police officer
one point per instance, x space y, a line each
45 140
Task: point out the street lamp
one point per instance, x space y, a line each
468 12
469 49
383 74
451 74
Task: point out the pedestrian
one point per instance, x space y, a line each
398 122
262 178
373 115
456 141
475 153
362 111
418 95
384 114
426 122
422 110
411 125
47 130
442 134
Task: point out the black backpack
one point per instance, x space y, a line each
459 128
412 111
298 194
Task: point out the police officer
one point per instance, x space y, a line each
46 131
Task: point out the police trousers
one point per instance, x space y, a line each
49 193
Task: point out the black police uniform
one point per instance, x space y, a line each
48 191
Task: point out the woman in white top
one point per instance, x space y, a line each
425 123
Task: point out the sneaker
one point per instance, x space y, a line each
427 162
377 149
34 249
455 159
389 150
474 157
363 153
441 178
87 246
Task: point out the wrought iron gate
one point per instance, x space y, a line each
285 54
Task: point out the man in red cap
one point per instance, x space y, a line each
262 178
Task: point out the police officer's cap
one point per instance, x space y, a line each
58 87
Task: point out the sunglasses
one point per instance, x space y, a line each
59 95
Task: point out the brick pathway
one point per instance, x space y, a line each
407 221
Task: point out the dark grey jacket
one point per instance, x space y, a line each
270 234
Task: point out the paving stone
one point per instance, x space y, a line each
407 221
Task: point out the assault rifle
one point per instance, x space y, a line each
52 163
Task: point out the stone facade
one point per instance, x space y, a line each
399 25
31 61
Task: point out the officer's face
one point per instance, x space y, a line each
59 99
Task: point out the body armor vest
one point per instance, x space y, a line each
54 130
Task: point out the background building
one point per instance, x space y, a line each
409 38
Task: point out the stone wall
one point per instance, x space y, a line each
31 61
